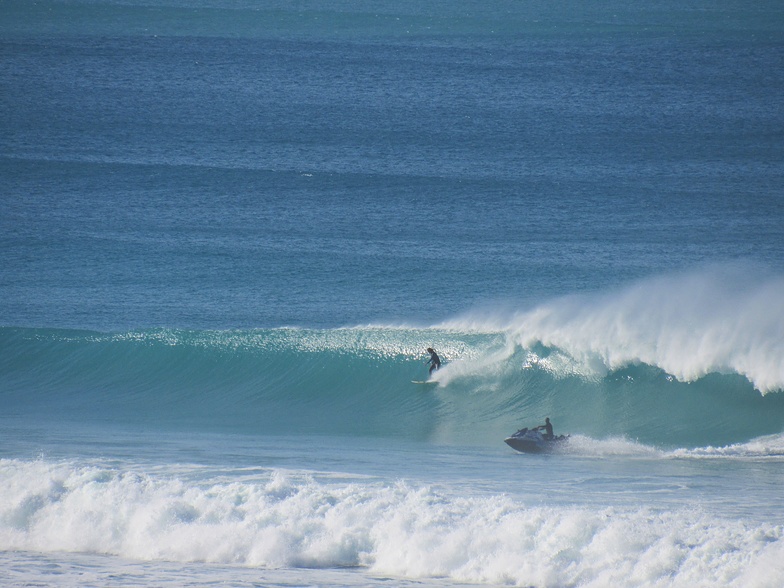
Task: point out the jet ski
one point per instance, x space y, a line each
532 441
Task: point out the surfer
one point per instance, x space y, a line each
548 429
434 361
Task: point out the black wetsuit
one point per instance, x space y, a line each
434 361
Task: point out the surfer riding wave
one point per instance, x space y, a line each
434 361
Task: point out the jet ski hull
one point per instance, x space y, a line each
527 441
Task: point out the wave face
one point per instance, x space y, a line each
684 361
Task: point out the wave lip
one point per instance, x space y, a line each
722 319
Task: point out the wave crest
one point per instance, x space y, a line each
723 319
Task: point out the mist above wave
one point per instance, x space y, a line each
720 319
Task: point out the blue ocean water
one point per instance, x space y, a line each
229 229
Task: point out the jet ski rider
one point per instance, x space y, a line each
548 434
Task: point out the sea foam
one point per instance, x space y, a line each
287 519
720 319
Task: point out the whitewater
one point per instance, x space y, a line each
276 520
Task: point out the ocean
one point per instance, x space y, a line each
230 229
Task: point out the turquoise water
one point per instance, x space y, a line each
358 382
229 231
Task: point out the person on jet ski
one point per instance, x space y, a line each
548 429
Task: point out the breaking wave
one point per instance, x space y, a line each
277 519
679 361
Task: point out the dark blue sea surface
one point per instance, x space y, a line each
188 176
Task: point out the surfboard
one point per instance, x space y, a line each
423 382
